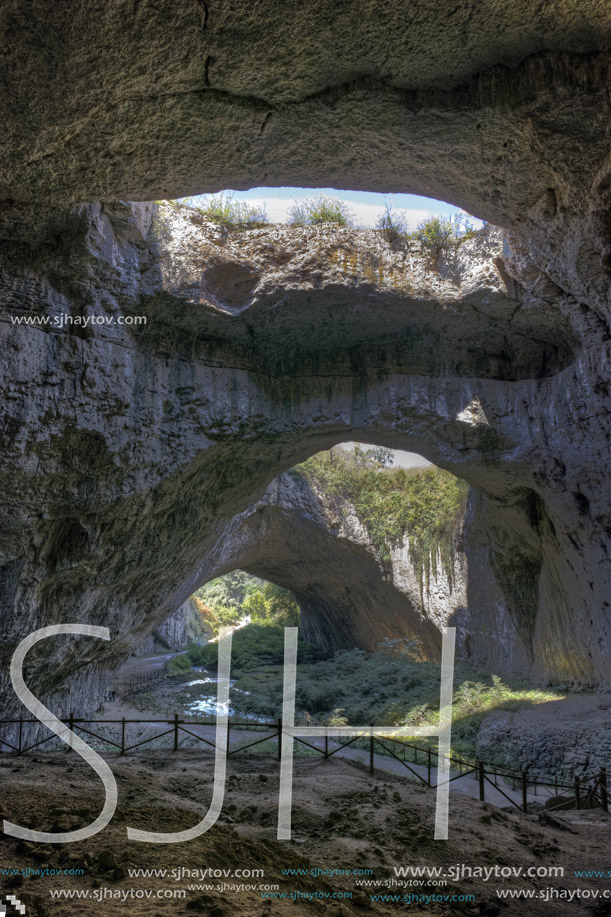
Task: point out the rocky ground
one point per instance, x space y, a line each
342 819
569 736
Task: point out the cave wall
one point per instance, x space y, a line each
127 452
176 632
299 537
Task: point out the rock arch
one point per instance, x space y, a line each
296 538
129 452
116 445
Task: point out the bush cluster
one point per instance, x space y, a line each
234 216
438 234
316 211
230 598
441 234
393 226
389 688
422 503
252 647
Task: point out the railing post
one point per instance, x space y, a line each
428 765
20 734
123 736
71 725
371 741
175 732
482 785
524 791
326 745
603 789
279 738
577 793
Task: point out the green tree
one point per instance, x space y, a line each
256 606
282 605
229 590
272 605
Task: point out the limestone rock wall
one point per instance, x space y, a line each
552 738
176 632
130 452
316 546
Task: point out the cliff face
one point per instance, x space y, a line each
129 451
316 546
176 632
303 538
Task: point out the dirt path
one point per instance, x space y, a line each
466 785
343 820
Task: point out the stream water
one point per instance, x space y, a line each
206 704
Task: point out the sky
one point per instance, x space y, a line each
400 458
366 205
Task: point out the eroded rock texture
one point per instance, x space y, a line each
126 452
301 538
176 632
129 450
503 109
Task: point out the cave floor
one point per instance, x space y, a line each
343 819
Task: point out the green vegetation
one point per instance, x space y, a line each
272 605
253 646
318 210
393 226
441 234
235 216
230 598
422 503
389 688
178 665
227 601
229 590
438 234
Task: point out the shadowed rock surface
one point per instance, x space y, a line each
128 451
176 632
300 538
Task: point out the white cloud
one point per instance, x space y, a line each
277 209
401 458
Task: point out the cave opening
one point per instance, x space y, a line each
139 463
363 541
368 644
391 680
415 366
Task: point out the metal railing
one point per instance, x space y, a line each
420 761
